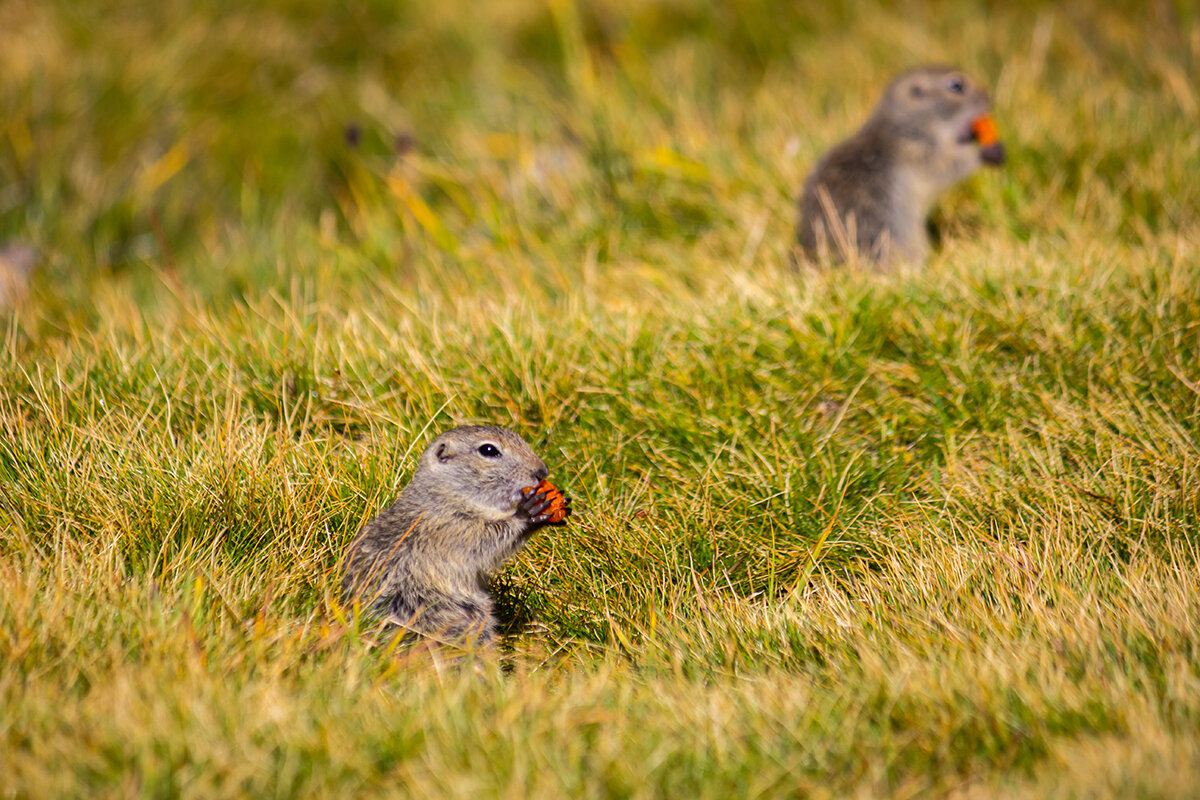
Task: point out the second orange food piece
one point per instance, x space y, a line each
985 130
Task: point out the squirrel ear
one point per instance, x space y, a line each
915 90
443 452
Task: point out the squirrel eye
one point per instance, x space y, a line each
489 450
956 85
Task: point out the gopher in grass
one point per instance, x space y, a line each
871 195
478 494
17 261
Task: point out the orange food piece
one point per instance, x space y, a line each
544 486
558 509
985 131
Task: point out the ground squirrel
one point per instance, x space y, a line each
872 193
423 562
17 260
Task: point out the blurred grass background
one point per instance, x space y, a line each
840 534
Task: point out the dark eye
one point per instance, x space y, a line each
956 85
489 450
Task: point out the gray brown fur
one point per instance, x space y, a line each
871 194
17 260
423 563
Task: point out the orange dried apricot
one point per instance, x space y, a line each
558 510
985 130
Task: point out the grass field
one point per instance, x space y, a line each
838 534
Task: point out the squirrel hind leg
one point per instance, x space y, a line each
460 624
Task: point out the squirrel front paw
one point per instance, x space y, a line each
545 503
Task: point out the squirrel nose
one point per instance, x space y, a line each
541 473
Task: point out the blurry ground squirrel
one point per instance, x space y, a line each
17 260
871 194
478 494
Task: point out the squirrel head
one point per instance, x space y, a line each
931 111
482 467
